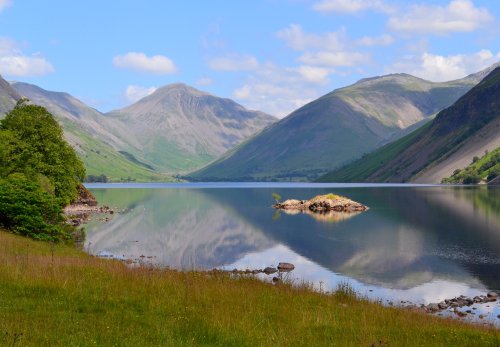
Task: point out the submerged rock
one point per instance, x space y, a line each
285 267
270 270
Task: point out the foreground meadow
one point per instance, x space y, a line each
55 295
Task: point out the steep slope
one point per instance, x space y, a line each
179 128
433 152
8 97
86 130
337 128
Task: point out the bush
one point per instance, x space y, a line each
494 173
27 209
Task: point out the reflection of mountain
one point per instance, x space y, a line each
181 228
402 241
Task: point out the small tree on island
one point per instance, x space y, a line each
276 197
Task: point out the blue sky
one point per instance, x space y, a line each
271 55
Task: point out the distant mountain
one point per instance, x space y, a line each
8 97
86 129
175 129
178 128
433 152
337 128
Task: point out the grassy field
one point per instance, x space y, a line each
54 295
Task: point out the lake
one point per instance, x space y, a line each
416 243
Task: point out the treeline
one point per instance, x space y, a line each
485 168
40 174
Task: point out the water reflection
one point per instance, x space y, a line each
175 228
424 244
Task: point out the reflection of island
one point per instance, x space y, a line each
179 228
327 217
400 243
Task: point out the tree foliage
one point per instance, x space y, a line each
39 173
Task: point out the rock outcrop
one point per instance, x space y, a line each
322 204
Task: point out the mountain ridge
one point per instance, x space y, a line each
337 128
467 128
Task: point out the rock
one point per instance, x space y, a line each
461 314
432 308
481 316
442 306
286 267
498 316
322 204
276 280
270 270
492 295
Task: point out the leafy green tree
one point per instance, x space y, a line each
32 143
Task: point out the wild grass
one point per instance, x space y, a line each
54 295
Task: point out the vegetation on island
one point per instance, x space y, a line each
40 174
481 169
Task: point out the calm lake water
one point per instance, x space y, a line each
418 243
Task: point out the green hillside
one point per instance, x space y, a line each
336 129
486 168
471 123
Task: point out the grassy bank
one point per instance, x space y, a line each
54 295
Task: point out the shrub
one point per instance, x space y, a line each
27 209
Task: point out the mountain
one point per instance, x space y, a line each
86 129
178 128
337 128
175 129
8 97
466 129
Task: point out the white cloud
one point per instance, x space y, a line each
134 93
157 64
382 40
204 81
440 68
234 62
4 4
13 62
280 90
334 59
352 6
298 40
457 16
314 74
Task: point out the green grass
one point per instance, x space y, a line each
54 295
485 168
100 158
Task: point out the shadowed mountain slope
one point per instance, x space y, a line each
449 142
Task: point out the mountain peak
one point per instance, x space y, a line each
180 88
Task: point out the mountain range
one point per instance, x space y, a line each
179 129
176 129
462 131
337 128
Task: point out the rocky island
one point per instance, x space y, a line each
322 204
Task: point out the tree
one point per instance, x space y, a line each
32 143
